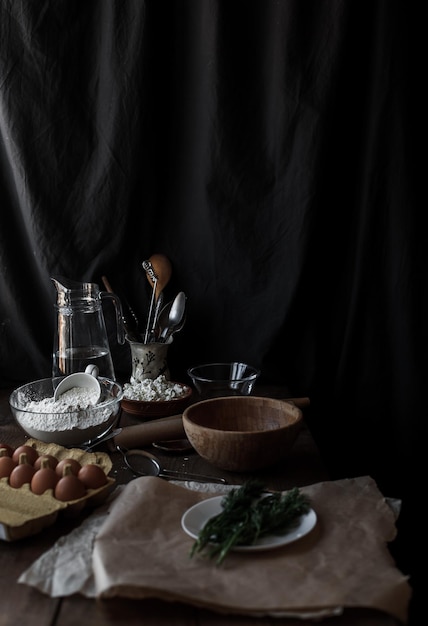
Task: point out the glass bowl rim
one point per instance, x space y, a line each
255 372
100 405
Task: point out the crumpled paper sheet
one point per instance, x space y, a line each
66 568
139 550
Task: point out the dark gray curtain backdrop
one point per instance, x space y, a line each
275 151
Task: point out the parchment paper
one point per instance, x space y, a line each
141 551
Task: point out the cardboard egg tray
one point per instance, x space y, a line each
23 513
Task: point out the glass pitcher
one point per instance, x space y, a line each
80 336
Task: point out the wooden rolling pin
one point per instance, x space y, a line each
166 429
301 403
140 435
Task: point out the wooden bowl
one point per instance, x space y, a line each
242 433
157 408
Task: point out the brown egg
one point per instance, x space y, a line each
21 473
52 461
45 478
7 464
75 466
69 487
92 476
31 453
9 449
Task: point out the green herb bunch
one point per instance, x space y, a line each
248 513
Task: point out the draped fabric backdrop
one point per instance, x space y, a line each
274 151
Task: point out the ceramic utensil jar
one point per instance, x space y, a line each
149 360
80 336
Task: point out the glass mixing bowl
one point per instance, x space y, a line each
223 379
78 425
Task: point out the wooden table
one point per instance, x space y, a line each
25 606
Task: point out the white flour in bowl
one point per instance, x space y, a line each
71 410
73 420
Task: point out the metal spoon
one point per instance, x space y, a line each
162 319
175 316
145 464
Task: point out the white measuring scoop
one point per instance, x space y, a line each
86 380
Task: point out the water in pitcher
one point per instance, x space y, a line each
76 359
80 337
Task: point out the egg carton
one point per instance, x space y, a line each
23 513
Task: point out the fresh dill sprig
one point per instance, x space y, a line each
248 513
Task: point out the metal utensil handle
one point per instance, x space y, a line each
148 267
94 442
156 313
163 473
175 475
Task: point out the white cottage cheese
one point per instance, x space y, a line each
153 390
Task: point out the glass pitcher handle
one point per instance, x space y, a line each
119 314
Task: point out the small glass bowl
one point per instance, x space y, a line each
213 380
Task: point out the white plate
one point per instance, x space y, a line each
196 517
